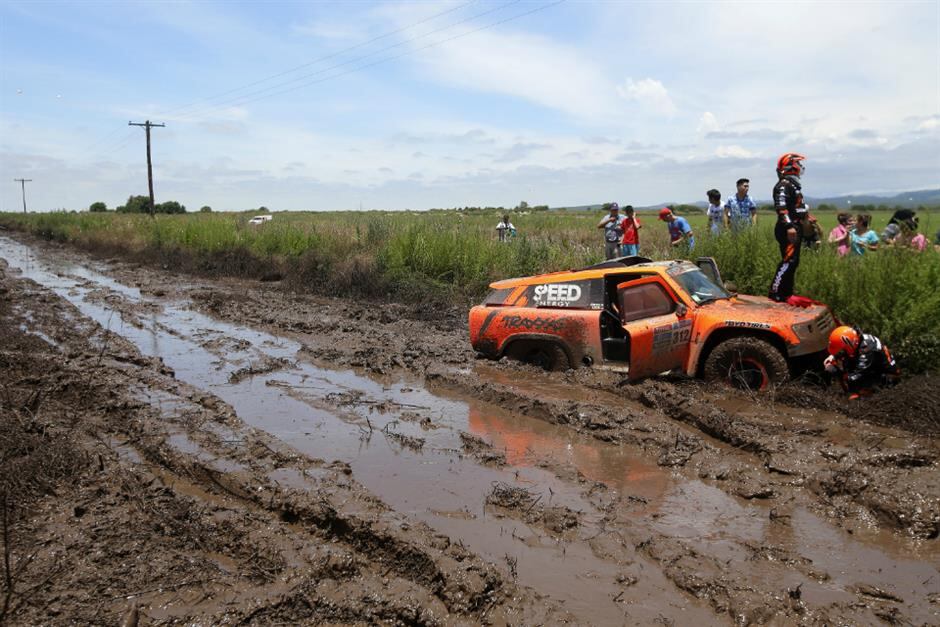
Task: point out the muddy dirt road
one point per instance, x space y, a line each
178 449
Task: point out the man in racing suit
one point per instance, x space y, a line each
791 211
861 361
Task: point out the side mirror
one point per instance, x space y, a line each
681 310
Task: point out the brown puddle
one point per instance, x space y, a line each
424 473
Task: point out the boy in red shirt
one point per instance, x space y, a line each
631 236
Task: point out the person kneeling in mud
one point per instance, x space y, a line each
860 361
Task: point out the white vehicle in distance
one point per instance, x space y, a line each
261 219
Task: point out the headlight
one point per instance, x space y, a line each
819 327
804 330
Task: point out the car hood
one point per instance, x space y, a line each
760 310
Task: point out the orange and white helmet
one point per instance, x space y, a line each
791 163
844 340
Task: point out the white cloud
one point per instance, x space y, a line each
530 67
649 93
708 123
733 151
330 30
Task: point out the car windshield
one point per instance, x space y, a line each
700 287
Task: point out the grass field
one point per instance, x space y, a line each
443 257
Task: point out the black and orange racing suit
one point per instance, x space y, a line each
791 211
871 367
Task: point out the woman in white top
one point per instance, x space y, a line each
715 212
505 229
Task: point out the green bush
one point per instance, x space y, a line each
890 292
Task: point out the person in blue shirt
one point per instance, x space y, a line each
740 208
862 238
679 229
613 231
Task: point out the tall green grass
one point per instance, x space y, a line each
892 292
451 257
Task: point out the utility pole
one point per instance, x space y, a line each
23 183
147 125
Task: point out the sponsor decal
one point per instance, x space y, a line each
669 336
535 324
556 294
662 338
747 325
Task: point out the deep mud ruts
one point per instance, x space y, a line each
176 450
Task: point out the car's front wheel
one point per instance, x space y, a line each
746 363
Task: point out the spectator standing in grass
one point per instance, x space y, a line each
679 229
791 211
630 246
716 215
910 237
863 239
840 234
505 229
905 222
613 231
740 208
904 215
891 233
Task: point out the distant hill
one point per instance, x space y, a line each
926 197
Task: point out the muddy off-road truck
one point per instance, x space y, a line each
644 318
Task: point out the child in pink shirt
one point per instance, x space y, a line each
840 234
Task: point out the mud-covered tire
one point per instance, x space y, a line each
546 355
747 363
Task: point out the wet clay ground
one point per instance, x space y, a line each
223 452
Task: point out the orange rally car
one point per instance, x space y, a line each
646 318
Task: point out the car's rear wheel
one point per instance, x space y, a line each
747 363
546 355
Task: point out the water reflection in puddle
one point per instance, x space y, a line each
339 414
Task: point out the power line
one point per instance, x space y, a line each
103 139
324 58
115 145
261 95
404 54
108 146
238 99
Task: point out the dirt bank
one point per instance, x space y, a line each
342 461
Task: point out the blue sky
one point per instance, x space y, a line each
394 105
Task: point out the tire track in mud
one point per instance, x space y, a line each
575 555
721 563
398 568
848 473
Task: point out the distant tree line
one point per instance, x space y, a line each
522 206
141 204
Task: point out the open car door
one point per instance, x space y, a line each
657 324
709 268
